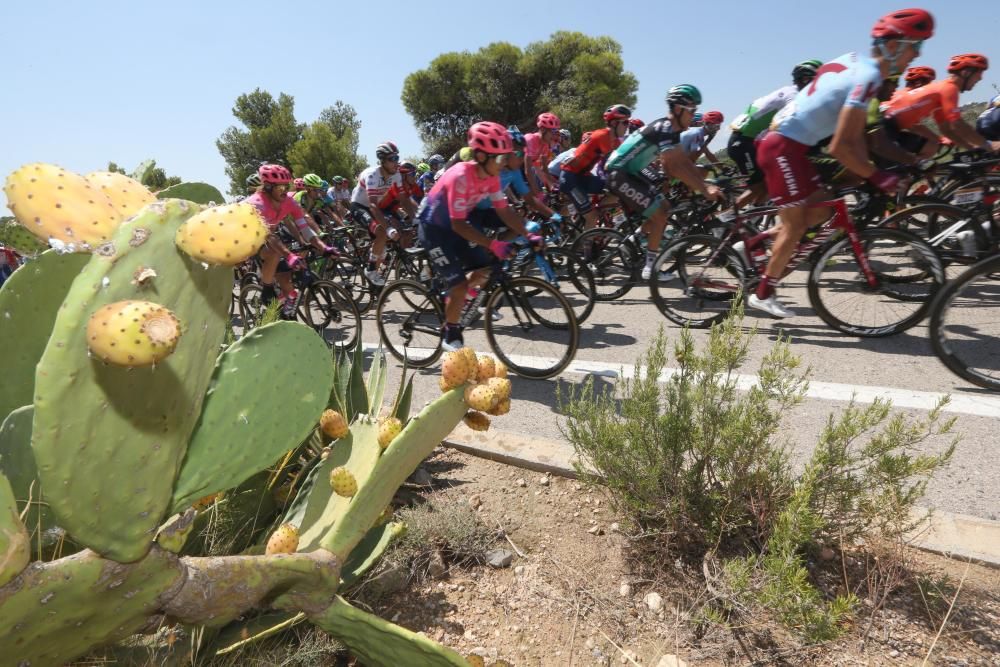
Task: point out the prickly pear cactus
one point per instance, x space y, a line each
14 549
129 427
14 235
199 193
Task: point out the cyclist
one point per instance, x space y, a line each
565 141
632 170
436 162
298 185
634 125
311 199
988 123
253 182
511 181
695 140
836 104
907 108
425 177
751 123
919 76
400 199
577 180
372 185
538 153
453 245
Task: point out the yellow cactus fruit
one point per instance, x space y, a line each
475 660
502 408
132 333
207 501
343 482
128 195
499 369
53 203
485 367
226 235
454 370
333 424
473 361
388 429
284 540
501 386
477 421
481 397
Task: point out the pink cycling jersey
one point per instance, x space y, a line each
457 192
536 151
274 215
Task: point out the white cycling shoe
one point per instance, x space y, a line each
375 278
664 276
770 305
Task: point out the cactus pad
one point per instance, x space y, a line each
199 193
15 552
14 235
29 301
17 463
127 426
237 435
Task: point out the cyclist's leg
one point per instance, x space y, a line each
269 260
443 252
579 187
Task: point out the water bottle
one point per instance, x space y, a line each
619 220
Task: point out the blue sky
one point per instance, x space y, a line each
88 82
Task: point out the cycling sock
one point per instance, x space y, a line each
650 257
452 332
765 290
267 293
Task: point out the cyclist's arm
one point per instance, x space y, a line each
510 218
710 156
880 144
965 135
462 227
676 163
848 144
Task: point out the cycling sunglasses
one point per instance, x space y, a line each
392 158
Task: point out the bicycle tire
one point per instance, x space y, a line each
330 310
350 274
905 300
523 299
709 277
575 280
965 351
250 307
615 263
400 324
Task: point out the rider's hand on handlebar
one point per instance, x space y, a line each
885 181
713 193
292 260
536 241
501 249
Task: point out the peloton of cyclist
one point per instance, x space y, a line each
836 104
372 185
695 140
538 153
453 245
633 175
400 198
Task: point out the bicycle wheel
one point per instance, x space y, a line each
329 309
251 308
709 275
908 273
350 274
538 334
572 278
965 324
614 262
411 334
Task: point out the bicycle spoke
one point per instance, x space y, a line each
409 322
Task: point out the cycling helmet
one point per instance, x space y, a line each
920 73
324 184
407 167
713 118
386 150
547 121
635 123
617 112
274 174
490 138
298 184
423 168
435 159
516 136
565 134
685 93
906 23
311 181
806 69
253 180
968 60
696 119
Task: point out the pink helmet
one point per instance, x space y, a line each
490 138
299 184
274 173
548 121
712 118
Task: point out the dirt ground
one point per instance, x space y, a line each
570 598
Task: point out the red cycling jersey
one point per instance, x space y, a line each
594 147
394 195
909 107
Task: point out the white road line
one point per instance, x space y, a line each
978 405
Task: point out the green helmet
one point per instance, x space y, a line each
312 181
337 180
806 68
423 168
685 92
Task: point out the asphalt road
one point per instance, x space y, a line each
902 368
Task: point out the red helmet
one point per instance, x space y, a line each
712 118
548 121
617 112
964 60
906 23
635 123
407 167
274 173
490 138
920 73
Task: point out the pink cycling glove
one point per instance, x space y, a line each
884 181
501 249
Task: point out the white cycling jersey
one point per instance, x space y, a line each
372 186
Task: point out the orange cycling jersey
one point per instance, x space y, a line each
594 147
909 107
395 193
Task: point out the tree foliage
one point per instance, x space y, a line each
571 74
154 178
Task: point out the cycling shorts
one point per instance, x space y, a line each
484 219
789 174
743 152
451 256
364 217
638 192
908 141
579 187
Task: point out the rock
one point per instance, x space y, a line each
625 590
475 501
595 530
893 653
671 660
544 480
520 482
499 558
653 601
519 570
826 554
436 568
421 477
392 580
614 527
